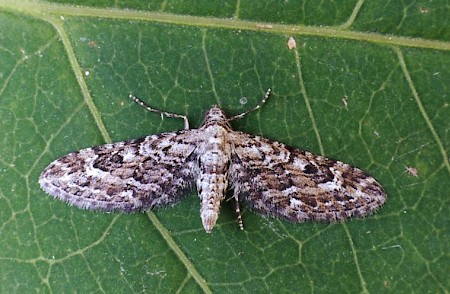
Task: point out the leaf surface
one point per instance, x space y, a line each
356 89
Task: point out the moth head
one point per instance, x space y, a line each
215 116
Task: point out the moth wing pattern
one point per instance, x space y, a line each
296 185
126 176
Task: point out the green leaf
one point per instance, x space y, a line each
356 88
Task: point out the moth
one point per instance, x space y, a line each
266 176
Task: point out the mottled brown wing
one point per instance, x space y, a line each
296 185
125 176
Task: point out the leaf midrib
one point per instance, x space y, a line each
38 9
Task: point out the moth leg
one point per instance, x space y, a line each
238 211
163 113
239 116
